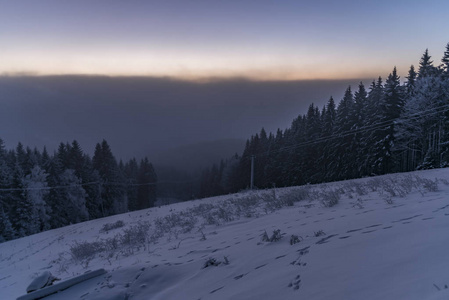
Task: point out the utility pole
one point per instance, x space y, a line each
252 172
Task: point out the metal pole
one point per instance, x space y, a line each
252 172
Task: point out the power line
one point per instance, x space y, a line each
367 128
48 187
96 183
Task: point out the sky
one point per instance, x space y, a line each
193 39
155 75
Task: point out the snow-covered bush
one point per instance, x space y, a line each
136 235
276 236
428 184
294 239
110 226
215 263
295 195
85 250
319 233
329 197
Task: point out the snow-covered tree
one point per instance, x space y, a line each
74 198
35 192
7 232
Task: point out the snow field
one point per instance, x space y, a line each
375 246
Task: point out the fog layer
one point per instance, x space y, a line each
141 116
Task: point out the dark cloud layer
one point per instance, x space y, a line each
146 116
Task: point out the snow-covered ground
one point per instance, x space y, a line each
386 238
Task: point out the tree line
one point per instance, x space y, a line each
39 191
389 127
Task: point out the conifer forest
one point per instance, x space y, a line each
39 191
392 125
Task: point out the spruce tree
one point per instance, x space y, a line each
360 115
425 65
390 109
411 81
146 180
113 197
445 61
343 160
374 121
35 191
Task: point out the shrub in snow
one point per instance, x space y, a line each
86 250
319 233
428 184
136 235
203 236
265 237
295 195
271 202
214 262
330 198
110 226
211 262
276 236
294 239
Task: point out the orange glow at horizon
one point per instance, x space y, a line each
198 67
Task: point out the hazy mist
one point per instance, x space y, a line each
141 116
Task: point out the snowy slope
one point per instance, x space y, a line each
385 239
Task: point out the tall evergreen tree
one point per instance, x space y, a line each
344 121
38 213
411 81
445 62
113 197
360 115
146 180
73 198
328 133
374 121
426 67
390 109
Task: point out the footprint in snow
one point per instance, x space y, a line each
406 219
303 251
216 290
326 239
295 284
261 266
354 230
371 226
240 276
